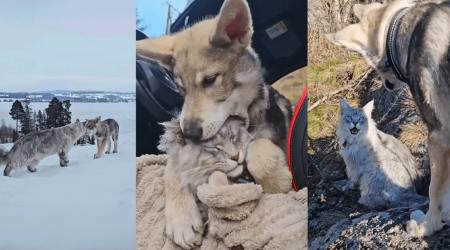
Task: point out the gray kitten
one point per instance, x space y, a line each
380 164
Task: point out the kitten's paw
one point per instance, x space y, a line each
185 230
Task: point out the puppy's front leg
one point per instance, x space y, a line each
184 224
268 165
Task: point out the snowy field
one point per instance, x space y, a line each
89 205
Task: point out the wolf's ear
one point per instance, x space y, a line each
368 109
352 37
234 25
358 10
344 105
158 49
98 119
77 120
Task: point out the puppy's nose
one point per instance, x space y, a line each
236 157
192 130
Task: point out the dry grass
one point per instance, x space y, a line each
413 135
292 85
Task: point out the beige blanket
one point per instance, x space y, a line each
240 216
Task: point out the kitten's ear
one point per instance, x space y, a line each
368 109
344 105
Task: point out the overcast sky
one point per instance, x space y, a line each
154 13
69 45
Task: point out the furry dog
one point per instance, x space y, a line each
104 131
191 163
381 165
409 43
33 147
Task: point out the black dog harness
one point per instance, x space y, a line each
390 48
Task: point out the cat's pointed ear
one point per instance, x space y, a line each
368 109
344 105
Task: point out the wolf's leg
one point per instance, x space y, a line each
98 143
267 163
62 159
9 167
32 165
440 175
184 224
109 146
101 148
116 142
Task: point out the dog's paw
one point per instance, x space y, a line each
185 230
115 151
95 156
414 229
107 152
63 165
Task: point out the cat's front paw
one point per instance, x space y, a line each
185 230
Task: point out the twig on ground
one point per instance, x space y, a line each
362 78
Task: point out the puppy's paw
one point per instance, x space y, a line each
185 230
96 157
115 151
414 229
107 152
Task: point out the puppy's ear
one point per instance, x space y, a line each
358 10
368 109
352 37
344 105
234 25
77 120
158 49
98 119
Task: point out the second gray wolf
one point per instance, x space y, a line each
408 43
104 131
33 147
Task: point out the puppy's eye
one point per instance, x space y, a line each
219 147
209 80
233 139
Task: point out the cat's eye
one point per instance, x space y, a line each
361 118
349 117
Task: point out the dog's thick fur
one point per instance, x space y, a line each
104 131
379 164
33 147
423 49
220 76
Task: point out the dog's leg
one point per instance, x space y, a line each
424 225
108 151
98 143
267 163
32 165
9 167
62 159
101 148
116 142
184 224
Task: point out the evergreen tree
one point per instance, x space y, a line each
54 114
17 113
27 124
66 112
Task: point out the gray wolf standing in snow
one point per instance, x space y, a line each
33 147
104 131
409 43
220 76
381 165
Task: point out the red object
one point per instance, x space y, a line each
297 109
235 28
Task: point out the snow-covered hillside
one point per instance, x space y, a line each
88 205
73 96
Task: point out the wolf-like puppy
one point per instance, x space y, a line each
103 131
33 147
409 43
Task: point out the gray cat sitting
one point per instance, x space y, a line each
380 164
